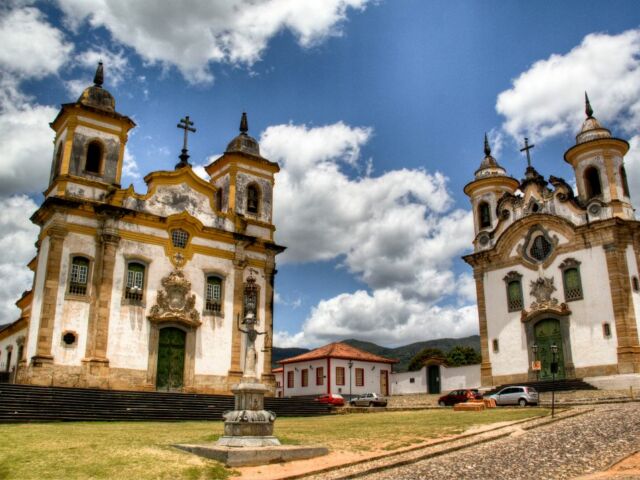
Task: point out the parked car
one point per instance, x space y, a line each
331 399
516 395
459 396
368 400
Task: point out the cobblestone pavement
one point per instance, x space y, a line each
561 450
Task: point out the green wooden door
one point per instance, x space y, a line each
547 332
433 378
170 359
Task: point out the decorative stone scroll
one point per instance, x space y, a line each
175 304
542 290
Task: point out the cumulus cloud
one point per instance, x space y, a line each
116 62
396 232
31 47
547 99
191 34
17 238
382 317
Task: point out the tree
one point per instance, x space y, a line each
417 362
460 355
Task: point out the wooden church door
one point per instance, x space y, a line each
547 333
171 349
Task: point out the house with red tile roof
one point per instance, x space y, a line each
334 368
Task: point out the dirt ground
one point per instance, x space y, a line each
624 469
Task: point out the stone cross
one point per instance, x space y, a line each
186 125
526 148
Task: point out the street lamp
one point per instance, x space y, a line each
554 370
350 366
535 360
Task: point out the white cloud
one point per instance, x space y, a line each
17 238
31 47
191 34
396 232
130 166
547 99
384 317
117 69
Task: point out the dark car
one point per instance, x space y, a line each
459 396
331 399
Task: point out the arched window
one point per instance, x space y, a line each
625 184
513 282
592 182
135 281
219 199
571 279
213 295
57 162
94 157
635 283
484 214
79 276
253 199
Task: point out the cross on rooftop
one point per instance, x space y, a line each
186 125
526 148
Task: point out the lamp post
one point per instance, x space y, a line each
554 370
350 366
535 360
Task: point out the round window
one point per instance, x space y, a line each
69 338
540 248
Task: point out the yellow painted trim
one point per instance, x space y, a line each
77 110
15 327
68 145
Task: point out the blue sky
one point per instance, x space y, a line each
375 110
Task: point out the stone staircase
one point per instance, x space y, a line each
27 403
548 386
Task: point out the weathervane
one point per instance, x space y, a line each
526 148
186 125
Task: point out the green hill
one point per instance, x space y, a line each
403 353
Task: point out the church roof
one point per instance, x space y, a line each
591 128
338 350
244 143
489 165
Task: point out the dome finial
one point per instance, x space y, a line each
98 79
244 124
487 148
587 106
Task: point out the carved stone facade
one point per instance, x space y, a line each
110 268
574 258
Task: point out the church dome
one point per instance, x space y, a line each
97 97
244 143
489 165
591 128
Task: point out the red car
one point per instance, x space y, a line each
459 396
331 399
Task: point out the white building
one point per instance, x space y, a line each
435 378
145 291
335 368
558 271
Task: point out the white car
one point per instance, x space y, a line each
368 400
516 395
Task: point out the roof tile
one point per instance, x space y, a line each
338 350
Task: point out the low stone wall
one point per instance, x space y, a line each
413 400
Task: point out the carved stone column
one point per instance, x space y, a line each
270 273
100 310
486 373
56 234
623 311
239 264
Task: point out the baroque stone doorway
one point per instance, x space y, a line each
171 356
547 332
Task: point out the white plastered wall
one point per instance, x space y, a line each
589 347
36 305
402 384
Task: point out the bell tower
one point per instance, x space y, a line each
597 159
490 183
89 144
245 181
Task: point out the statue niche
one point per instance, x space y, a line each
175 303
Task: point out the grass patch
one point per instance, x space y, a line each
142 450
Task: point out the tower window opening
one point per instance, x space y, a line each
625 184
219 199
94 157
592 182
253 199
636 283
484 213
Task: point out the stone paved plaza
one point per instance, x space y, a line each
561 450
